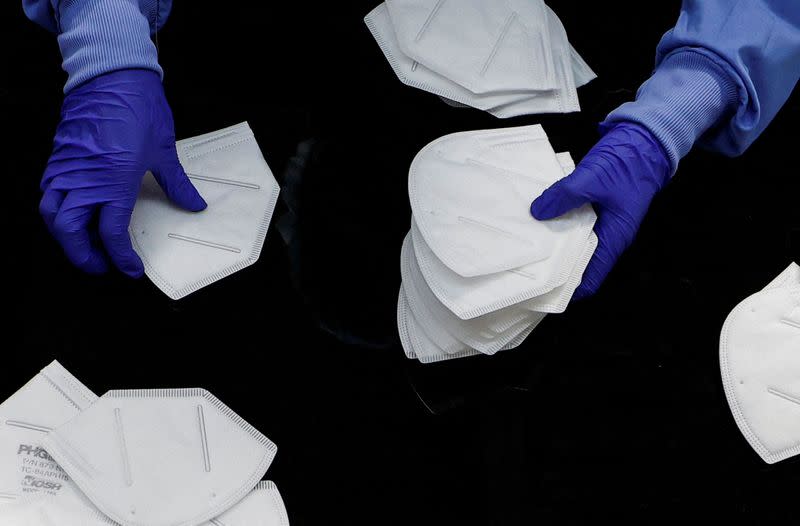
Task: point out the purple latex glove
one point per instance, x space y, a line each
619 177
113 129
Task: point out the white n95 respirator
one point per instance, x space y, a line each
184 251
760 364
174 457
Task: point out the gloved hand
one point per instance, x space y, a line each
619 176
113 129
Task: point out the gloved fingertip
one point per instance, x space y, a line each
187 197
136 273
543 208
130 264
200 204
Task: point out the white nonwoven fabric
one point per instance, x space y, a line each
176 457
484 46
563 99
503 104
470 195
185 251
760 366
51 398
488 334
417 344
469 297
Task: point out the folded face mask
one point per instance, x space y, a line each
417 344
581 72
488 334
502 104
128 449
475 296
185 251
565 96
760 365
506 46
50 399
470 195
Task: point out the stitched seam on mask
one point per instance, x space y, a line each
277 499
63 393
442 354
241 129
236 495
413 306
730 393
203 142
76 387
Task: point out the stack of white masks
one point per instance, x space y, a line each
479 272
760 363
136 458
506 57
185 251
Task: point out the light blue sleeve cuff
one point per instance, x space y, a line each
100 36
688 94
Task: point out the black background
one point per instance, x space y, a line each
613 410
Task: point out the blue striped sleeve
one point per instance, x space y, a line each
721 75
100 36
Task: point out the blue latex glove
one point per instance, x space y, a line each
619 177
113 129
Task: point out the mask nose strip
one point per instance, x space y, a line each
126 464
25 425
201 419
205 243
219 180
785 396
